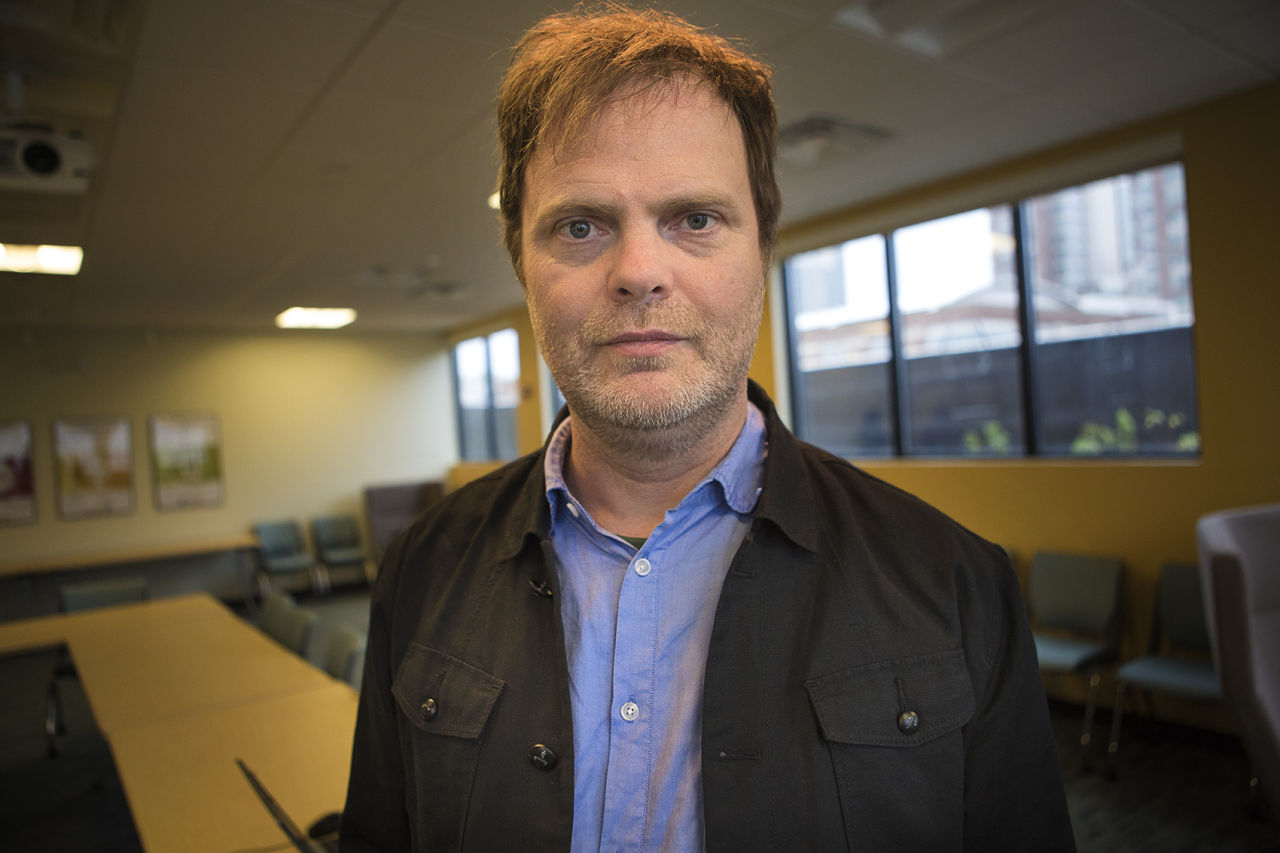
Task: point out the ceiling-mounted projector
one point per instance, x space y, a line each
44 162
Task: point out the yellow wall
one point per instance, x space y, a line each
1145 512
308 420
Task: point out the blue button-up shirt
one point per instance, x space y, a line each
637 627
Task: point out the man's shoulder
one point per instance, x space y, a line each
855 503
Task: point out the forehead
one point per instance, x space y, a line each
672 130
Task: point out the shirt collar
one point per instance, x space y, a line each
740 474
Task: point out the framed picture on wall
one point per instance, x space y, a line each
186 461
94 459
17 482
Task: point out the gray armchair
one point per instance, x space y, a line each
1240 556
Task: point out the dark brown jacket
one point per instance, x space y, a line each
871 682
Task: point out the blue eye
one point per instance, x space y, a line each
578 229
697 221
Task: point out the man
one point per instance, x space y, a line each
677 627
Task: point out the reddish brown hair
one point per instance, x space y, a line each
567 67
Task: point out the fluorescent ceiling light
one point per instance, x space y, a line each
315 318
52 260
495 201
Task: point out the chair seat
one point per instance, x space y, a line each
1190 678
342 556
287 563
1062 654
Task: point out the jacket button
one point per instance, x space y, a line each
908 722
542 757
429 710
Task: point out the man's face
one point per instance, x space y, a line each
641 261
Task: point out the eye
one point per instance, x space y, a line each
697 221
578 229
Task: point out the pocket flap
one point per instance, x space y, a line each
866 704
444 695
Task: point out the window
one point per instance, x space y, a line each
1059 325
488 389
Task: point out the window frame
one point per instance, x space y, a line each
898 398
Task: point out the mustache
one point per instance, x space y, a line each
677 319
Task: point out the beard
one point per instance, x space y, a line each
665 402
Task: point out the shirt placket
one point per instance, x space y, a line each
633 710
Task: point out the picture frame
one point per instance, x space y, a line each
93 461
17 474
186 461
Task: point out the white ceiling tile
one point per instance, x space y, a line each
1254 36
1203 14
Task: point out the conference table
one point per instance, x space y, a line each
180 688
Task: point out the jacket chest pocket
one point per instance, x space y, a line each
445 704
894 730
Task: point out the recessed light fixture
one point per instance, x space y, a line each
315 318
50 260
495 201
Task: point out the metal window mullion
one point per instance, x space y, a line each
799 386
1027 328
899 392
491 411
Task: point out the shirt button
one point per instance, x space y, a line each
643 567
908 722
429 710
630 711
542 757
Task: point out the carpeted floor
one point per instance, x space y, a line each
1178 789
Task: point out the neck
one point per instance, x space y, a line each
628 480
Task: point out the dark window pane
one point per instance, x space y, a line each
1110 288
958 299
839 309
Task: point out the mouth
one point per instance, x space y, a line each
646 343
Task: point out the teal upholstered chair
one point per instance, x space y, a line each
1075 611
339 548
344 658
1178 660
286 623
283 556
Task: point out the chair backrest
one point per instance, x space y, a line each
1180 607
275 612
294 629
391 509
335 531
279 538
344 659
1075 592
86 595
1252 533
1248 635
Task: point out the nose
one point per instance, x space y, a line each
640 271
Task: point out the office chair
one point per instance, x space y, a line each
1178 660
76 596
1075 609
344 658
287 624
281 553
338 546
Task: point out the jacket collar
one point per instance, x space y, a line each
786 500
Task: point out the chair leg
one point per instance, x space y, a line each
53 725
1114 746
320 584
1086 734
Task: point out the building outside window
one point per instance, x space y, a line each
487 373
1059 325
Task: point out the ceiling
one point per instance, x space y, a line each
252 155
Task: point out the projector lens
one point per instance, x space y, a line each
41 158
